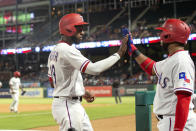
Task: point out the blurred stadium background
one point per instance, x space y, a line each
29 30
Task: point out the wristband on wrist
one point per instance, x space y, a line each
136 53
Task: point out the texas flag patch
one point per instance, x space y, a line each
182 75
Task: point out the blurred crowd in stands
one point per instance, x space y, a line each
125 79
141 31
100 80
144 27
101 28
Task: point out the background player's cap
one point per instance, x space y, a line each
17 74
174 30
68 22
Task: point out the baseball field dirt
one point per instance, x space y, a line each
120 123
123 123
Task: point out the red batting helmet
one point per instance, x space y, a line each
16 74
68 22
174 30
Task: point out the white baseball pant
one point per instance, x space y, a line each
69 113
14 105
167 123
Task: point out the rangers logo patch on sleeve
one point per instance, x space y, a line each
182 75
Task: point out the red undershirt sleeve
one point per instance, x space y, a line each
147 65
182 109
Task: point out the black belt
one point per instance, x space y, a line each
73 98
159 117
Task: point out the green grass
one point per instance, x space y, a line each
28 101
27 120
111 109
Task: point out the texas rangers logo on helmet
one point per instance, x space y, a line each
82 18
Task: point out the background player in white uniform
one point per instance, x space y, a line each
15 84
176 76
65 64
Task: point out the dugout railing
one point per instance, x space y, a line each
143 102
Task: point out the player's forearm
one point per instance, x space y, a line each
51 84
21 88
141 58
182 110
11 86
145 63
100 66
51 81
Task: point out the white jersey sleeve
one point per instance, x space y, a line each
15 84
11 82
20 82
81 63
76 59
183 77
100 66
49 71
70 54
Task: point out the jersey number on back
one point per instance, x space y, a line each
52 68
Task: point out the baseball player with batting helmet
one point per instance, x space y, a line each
15 84
65 65
173 104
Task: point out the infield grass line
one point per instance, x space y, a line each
21 115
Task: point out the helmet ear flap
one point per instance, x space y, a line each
70 30
166 37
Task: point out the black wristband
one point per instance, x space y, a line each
136 53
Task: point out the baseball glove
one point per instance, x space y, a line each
23 92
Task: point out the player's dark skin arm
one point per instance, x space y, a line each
51 84
123 47
88 97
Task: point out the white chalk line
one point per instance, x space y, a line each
21 115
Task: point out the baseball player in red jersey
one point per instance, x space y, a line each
173 103
65 65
